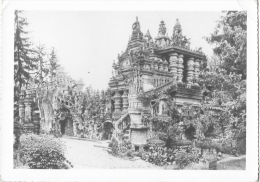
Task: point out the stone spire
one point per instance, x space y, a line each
177 30
177 25
177 33
162 29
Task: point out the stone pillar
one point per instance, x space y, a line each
28 125
180 68
28 109
21 107
117 99
125 100
165 66
160 65
173 64
196 68
190 69
155 64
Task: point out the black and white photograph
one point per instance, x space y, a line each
159 91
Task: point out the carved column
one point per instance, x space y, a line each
160 65
173 65
180 68
117 99
28 124
125 100
28 109
165 66
190 69
196 68
21 107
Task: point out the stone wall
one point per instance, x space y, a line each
232 163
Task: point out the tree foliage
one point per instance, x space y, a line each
54 63
230 41
24 60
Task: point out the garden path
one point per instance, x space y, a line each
85 155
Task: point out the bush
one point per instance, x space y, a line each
184 157
114 146
158 155
43 152
121 149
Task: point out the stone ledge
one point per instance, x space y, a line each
232 163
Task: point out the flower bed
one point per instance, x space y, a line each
43 152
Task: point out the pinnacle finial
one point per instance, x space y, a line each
177 24
162 29
137 18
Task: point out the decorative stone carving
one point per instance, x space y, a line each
180 68
190 69
173 65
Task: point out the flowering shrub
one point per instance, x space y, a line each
162 156
210 155
184 157
43 152
158 155
121 149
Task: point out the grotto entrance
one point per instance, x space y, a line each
66 127
63 124
190 132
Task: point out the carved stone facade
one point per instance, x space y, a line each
149 65
49 107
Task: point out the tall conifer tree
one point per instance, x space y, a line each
24 61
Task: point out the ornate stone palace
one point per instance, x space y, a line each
146 76
161 66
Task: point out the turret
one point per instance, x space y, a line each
162 39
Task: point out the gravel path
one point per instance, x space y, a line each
83 154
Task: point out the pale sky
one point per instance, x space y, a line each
87 42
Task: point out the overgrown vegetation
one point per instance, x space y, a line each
219 125
43 152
